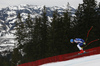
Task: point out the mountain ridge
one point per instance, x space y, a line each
8 16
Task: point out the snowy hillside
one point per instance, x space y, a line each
6 44
93 60
8 17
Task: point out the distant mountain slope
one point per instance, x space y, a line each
8 17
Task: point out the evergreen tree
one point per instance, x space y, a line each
37 39
16 57
44 32
67 31
85 17
53 34
28 42
19 31
59 31
97 24
20 38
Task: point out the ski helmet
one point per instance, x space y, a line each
71 40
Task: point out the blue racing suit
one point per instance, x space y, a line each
79 41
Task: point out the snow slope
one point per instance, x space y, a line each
71 59
93 60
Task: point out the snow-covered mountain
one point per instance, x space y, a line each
8 17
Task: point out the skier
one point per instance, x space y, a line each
80 43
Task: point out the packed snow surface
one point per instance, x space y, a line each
93 60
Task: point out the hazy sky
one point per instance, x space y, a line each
5 3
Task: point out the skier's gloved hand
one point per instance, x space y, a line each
84 43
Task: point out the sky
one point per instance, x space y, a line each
47 3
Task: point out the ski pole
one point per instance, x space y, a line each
88 33
92 42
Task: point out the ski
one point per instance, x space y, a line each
82 53
79 54
85 52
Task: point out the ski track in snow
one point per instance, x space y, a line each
93 60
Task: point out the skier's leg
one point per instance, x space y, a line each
79 47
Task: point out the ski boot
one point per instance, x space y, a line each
81 52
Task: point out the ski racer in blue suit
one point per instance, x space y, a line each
80 43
